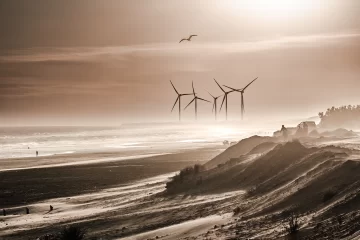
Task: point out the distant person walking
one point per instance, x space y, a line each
4 212
27 210
37 153
284 132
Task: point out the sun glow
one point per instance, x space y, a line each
272 8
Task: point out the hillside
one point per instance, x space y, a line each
317 183
322 189
241 148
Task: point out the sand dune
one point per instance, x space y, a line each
263 179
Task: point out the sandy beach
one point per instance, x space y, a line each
24 181
263 178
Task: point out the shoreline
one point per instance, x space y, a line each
21 187
87 162
78 158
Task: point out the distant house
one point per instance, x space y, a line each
304 128
310 124
290 131
293 130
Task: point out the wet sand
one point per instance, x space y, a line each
26 186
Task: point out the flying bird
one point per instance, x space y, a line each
188 39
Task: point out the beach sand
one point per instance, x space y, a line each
26 181
266 184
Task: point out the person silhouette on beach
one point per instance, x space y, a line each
4 212
37 153
27 210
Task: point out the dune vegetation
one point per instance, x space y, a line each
344 117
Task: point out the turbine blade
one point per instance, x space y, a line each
186 94
174 87
249 84
189 103
211 95
193 88
177 99
203 100
219 85
237 90
223 101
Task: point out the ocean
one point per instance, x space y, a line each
134 139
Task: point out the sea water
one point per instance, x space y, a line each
22 142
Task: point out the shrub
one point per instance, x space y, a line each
198 168
236 211
72 233
292 224
251 192
186 175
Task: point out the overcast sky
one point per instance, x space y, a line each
65 62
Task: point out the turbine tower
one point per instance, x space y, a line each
242 91
215 104
225 98
178 99
195 99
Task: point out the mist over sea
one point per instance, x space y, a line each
130 139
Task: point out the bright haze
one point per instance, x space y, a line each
108 62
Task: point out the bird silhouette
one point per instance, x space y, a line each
188 39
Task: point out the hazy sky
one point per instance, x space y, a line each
108 62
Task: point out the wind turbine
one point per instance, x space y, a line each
178 99
195 99
215 104
225 98
242 91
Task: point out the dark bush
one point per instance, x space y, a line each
236 211
186 175
198 168
251 192
72 233
292 224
